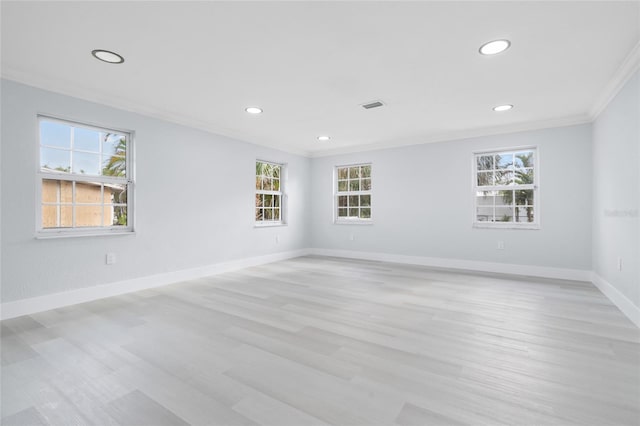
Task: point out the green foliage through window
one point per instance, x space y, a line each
84 176
353 192
268 197
505 184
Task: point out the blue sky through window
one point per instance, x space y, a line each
92 149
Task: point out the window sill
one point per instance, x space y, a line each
493 225
269 225
56 235
354 222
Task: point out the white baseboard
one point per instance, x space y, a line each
625 305
57 300
620 300
467 265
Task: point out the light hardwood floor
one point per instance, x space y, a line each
315 341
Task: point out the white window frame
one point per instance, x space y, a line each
281 193
535 187
351 220
42 233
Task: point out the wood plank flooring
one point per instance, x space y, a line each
326 341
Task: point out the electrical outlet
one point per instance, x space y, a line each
277 239
352 237
110 258
619 264
500 245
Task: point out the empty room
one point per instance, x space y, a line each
320 213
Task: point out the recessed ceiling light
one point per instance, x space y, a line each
494 47
323 138
253 110
107 56
501 108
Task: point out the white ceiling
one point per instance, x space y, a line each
310 65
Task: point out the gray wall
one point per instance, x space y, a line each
194 201
407 221
616 191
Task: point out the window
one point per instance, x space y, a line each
269 193
353 193
85 179
506 189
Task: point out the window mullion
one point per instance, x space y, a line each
85 178
102 202
73 135
58 208
73 204
505 187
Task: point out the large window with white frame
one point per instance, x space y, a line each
505 189
85 179
353 193
269 197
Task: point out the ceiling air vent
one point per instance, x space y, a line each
374 104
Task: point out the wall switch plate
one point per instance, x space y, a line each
110 258
277 239
619 264
352 237
500 245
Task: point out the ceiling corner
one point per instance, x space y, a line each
629 66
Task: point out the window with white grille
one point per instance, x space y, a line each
353 193
506 189
85 178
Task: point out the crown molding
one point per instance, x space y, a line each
458 135
67 88
629 66
627 69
